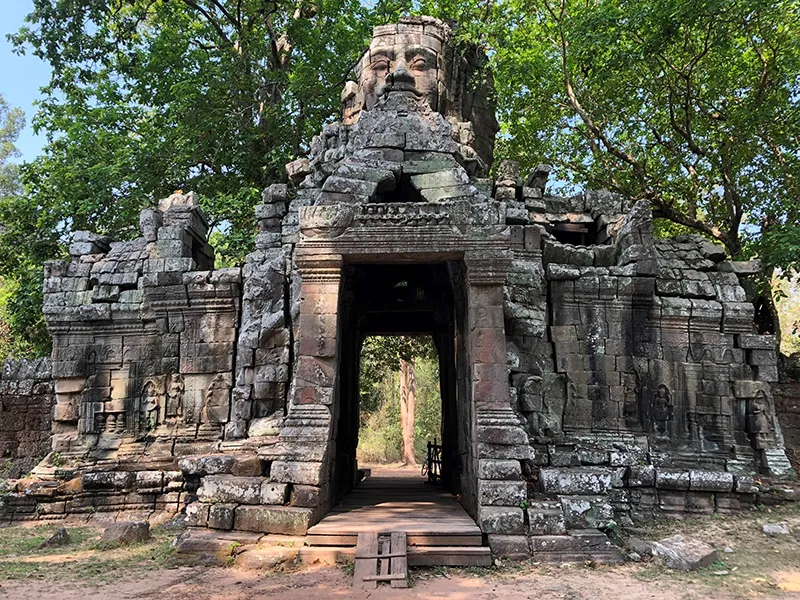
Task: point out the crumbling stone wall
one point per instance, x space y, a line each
787 405
26 403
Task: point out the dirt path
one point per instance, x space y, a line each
566 583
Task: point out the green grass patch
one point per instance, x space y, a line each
83 559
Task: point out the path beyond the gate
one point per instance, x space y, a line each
397 499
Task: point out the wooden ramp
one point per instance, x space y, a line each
437 528
381 558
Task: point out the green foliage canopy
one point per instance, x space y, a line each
150 96
692 105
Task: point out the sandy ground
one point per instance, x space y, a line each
751 565
565 583
329 583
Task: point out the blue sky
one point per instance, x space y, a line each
21 76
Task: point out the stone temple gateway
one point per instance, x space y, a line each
590 373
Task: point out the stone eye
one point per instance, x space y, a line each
380 65
419 62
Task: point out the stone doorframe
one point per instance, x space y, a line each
306 451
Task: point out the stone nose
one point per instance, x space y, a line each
401 79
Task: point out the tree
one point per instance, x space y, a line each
397 353
22 331
693 106
149 96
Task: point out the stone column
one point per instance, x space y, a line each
303 455
500 440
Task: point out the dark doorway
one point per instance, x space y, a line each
408 300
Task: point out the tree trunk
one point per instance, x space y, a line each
408 401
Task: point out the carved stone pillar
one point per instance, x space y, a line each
317 330
485 275
303 455
500 439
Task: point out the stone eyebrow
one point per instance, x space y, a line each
416 50
381 53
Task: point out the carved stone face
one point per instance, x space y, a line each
408 61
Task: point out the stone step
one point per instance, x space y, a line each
577 546
414 539
418 556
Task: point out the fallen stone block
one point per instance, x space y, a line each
58 539
773 529
212 548
126 532
684 554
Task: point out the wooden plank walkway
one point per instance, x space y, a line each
397 500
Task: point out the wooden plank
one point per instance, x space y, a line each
399 564
385 548
377 578
381 555
368 544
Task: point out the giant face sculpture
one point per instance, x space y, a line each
406 62
417 56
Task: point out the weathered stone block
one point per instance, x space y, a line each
499 469
305 473
710 481
305 496
501 493
672 479
108 480
578 546
546 521
503 520
579 480
220 516
274 493
515 547
287 520
229 488
641 475
587 512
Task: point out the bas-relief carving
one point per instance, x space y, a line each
760 421
662 412
326 221
174 403
630 406
217 400
150 403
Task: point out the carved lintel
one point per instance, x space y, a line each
319 268
487 269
